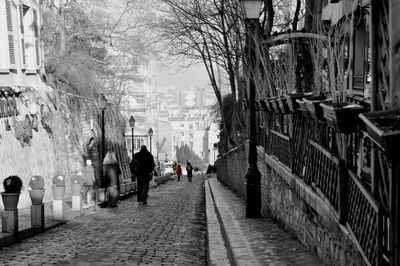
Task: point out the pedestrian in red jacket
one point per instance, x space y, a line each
179 171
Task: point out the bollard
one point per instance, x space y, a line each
9 221
37 216
58 209
102 195
90 197
77 202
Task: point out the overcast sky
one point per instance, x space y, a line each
183 78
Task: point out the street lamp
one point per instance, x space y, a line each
102 103
132 124
215 148
150 135
252 176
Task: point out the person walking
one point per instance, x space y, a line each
189 170
111 173
144 169
179 171
88 174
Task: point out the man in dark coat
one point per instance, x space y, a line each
144 167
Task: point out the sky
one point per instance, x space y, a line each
182 79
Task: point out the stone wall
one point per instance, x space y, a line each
231 168
295 207
66 131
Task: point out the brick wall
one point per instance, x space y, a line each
295 207
63 148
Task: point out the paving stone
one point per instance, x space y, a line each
170 230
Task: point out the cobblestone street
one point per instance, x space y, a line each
170 230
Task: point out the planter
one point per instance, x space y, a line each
342 117
268 104
10 201
313 106
384 129
264 106
275 106
283 105
37 196
76 189
134 186
302 107
58 193
128 188
292 98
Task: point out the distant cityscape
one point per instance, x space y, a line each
177 117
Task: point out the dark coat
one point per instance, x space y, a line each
111 174
143 164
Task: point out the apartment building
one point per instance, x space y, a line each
21 56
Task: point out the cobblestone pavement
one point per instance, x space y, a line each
170 230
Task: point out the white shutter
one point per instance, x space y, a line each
36 35
10 34
5 61
21 25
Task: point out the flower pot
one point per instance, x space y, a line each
275 106
302 107
283 105
268 104
58 192
342 117
10 201
313 107
264 105
291 100
37 196
383 128
76 189
134 186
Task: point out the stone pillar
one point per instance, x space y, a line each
102 195
77 202
90 197
37 216
9 221
58 210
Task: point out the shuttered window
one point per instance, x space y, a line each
21 19
10 33
36 34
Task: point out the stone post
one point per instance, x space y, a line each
9 221
58 209
37 216
77 202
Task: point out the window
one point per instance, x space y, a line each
10 34
191 145
191 126
182 125
182 144
141 103
174 138
182 134
197 125
191 135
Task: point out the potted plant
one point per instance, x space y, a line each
342 117
12 189
384 129
291 100
58 187
283 105
36 189
77 183
268 104
313 106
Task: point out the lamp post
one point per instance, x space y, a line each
132 124
215 148
102 102
252 176
150 135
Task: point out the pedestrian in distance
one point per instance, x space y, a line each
179 171
144 170
88 175
111 173
189 170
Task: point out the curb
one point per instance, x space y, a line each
217 246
